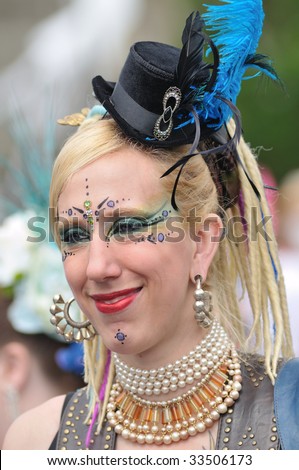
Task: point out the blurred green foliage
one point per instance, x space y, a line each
269 113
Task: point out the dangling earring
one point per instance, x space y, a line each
202 305
66 326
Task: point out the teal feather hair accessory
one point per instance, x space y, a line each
29 171
31 270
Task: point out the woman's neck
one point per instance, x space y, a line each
171 350
178 372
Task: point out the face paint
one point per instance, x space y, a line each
151 239
135 228
120 336
131 227
81 211
66 254
71 237
102 203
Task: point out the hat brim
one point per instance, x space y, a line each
103 91
184 135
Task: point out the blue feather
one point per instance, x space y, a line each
235 28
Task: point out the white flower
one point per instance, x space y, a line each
42 272
14 251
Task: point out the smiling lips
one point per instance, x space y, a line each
115 301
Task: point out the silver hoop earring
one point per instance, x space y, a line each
203 304
70 329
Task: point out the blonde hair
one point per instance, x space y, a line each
254 263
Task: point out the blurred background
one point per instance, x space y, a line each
51 50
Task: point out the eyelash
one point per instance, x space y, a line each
73 236
123 226
128 225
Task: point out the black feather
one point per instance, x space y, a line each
191 69
263 63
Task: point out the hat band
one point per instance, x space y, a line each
135 115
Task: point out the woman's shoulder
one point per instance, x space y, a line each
36 428
254 364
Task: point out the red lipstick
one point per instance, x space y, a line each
115 301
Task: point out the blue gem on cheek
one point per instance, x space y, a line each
70 212
165 213
161 237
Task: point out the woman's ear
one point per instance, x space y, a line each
207 239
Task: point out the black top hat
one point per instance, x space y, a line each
151 100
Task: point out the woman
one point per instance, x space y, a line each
153 262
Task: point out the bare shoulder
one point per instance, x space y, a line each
35 429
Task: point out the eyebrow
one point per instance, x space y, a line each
102 203
81 211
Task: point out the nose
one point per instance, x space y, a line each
103 262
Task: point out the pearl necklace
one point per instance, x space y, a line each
147 422
183 372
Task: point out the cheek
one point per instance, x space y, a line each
176 256
169 263
74 271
